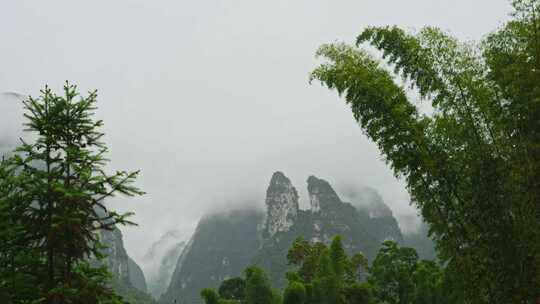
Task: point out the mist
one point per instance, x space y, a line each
209 98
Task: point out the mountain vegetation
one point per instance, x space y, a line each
327 275
226 243
52 194
221 247
469 155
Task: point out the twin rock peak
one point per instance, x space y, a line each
282 201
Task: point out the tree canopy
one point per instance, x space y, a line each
472 165
396 275
53 193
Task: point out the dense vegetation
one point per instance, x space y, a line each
52 194
472 166
225 243
326 275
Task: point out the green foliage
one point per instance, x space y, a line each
392 273
295 293
232 289
473 165
89 285
52 203
327 282
255 288
338 257
292 276
210 296
258 289
357 293
17 259
326 273
276 296
427 278
396 276
224 301
306 256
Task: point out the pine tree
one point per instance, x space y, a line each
59 184
17 259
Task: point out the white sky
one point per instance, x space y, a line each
208 98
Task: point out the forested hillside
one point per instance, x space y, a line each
224 244
432 105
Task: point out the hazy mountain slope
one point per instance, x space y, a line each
160 260
158 285
224 244
136 275
374 212
221 247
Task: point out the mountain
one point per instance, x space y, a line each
328 216
136 275
223 245
128 278
160 260
116 258
376 214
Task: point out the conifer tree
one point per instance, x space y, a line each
59 184
18 260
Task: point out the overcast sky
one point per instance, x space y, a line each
208 98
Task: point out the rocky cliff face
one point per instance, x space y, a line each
321 195
224 245
128 278
136 276
331 216
327 217
281 204
116 257
123 268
